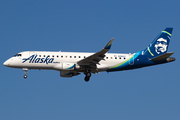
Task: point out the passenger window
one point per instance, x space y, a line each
115 57
39 55
53 56
61 56
70 56
79 56
57 56
44 55
106 57
74 56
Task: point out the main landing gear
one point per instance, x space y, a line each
88 75
25 70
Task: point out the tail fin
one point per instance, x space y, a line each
160 44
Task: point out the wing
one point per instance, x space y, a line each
97 57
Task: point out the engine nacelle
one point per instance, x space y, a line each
68 66
68 73
65 66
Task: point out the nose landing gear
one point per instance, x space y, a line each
25 76
25 70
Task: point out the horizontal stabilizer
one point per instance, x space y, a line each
162 57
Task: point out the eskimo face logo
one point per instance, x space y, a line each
161 46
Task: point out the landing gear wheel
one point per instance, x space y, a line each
86 79
88 74
25 76
25 70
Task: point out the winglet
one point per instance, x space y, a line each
96 57
108 46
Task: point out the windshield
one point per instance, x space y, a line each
17 55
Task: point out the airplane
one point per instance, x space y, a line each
73 63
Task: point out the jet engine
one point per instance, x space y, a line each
68 73
66 66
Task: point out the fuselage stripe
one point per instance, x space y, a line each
150 52
166 33
121 63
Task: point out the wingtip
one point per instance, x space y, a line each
112 39
108 46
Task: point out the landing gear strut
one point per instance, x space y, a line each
25 70
88 75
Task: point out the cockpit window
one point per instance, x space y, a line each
18 55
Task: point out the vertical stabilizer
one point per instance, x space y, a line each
160 44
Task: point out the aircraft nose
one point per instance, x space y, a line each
6 63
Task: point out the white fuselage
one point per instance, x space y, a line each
73 63
53 60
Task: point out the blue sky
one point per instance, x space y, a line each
86 26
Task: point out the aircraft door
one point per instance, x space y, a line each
131 61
